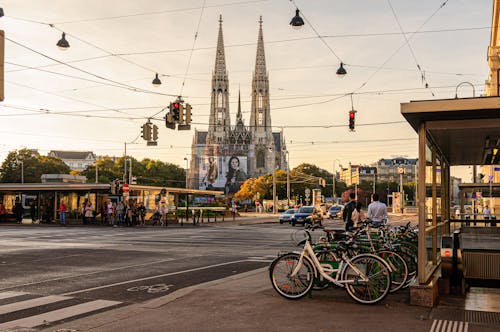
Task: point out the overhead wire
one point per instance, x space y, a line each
422 72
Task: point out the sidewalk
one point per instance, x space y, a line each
247 302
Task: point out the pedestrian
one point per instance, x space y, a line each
377 211
164 213
347 213
358 215
133 213
141 210
486 213
32 212
89 213
109 212
62 212
120 208
82 212
18 211
233 209
103 211
3 212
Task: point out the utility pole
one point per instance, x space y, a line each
96 173
287 179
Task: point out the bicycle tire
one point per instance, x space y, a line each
291 288
399 269
379 279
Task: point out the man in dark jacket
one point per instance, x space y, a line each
347 214
18 212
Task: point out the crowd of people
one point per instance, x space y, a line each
122 214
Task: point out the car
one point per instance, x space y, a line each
334 211
300 217
287 215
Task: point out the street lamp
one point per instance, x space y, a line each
156 80
63 43
274 179
297 22
187 167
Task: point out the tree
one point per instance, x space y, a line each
32 167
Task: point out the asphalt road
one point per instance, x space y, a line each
77 271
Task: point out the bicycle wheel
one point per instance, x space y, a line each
376 270
399 269
411 262
287 286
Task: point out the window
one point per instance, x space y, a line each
261 159
260 101
260 120
219 99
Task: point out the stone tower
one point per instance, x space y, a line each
219 122
260 115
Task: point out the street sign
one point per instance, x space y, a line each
125 188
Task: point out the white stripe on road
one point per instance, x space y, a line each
6 295
57 315
153 277
16 306
449 326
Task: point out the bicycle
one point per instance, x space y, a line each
365 277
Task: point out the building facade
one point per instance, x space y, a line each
224 156
388 170
76 160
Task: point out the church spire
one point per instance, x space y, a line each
220 58
260 61
238 115
219 122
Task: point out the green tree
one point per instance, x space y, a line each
33 165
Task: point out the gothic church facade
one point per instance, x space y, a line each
225 155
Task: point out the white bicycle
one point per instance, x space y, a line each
365 277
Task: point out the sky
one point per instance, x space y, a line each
96 94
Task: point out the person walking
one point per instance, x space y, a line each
32 212
347 213
89 213
233 209
18 211
62 212
377 211
486 213
141 210
358 215
119 212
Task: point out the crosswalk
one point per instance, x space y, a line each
27 310
439 325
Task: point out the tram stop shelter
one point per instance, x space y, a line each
451 132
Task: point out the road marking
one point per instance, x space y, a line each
153 277
16 306
92 273
449 326
6 295
59 314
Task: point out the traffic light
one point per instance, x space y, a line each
155 132
188 114
169 120
175 109
352 119
146 131
181 113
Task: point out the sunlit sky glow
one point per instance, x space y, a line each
127 42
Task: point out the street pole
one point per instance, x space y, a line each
374 179
333 184
125 165
274 186
130 170
96 172
288 179
22 171
187 167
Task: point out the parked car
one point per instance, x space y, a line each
287 215
300 217
335 211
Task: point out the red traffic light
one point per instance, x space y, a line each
176 105
351 114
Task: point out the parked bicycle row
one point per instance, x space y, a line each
369 262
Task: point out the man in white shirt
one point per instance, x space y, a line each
377 211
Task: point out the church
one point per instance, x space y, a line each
225 155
